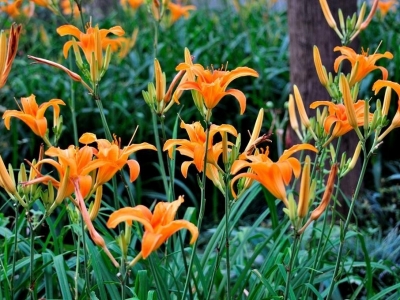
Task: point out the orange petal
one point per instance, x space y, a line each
87 138
150 242
240 97
134 169
69 30
129 214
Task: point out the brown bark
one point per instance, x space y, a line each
308 27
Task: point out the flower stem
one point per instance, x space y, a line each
124 273
103 119
171 175
72 106
347 223
15 251
85 258
78 249
159 154
31 259
202 209
291 263
227 231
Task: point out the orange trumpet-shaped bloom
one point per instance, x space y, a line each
378 85
385 6
212 84
158 226
338 117
73 162
33 115
195 147
73 167
135 4
91 42
69 8
272 175
362 64
8 51
178 11
111 158
12 9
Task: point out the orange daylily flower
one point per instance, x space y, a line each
91 42
12 9
378 85
212 84
127 43
49 4
158 226
67 9
135 4
339 119
385 6
362 64
73 166
43 3
187 68
112 158
33 115
178 11
73 162
8 51
272 175
195 148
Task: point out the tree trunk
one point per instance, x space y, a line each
308 27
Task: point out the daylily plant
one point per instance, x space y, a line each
92 44
33 115
361 64
196 147
111 158
158 226
212 84
272 175
73 166
378 85
178 11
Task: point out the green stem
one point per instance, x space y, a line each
159 153
171 176
15 252
227 211
321 245
109 137
202 209
291 263
85 260
217 262
172 197
78 249
155 42
31 258
72 106
347 223
79 4
103 119
124 273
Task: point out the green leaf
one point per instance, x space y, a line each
141 284
48 274
62 277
